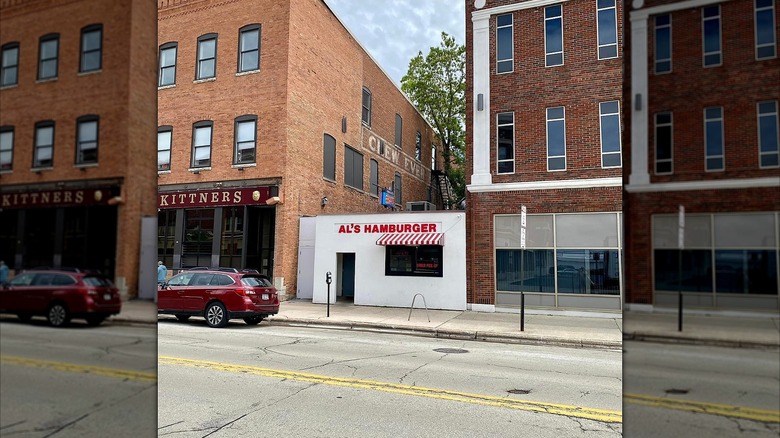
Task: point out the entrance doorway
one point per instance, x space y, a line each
346 281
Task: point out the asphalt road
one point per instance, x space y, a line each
311 382
77 381
698 391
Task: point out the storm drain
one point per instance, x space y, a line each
450 350
519 391
676 391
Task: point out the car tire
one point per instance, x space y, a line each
58 315
216 315
182 318
24 317
253 320
95 320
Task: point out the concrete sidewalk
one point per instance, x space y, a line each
581 329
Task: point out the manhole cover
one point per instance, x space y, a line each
519 391
676 391
450 350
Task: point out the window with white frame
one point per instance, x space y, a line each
609 118
713 138
48 53
768 137
505 142
207 57
711 43
6 148
10 65
663 143
44 145
91 48
433 157
201 144
366 112
553 35
504 44
164 139
249 48
167 74
246 139
606 12
556 138
418 146
663 43
87 140
766 42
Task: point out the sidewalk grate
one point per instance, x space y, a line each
450 350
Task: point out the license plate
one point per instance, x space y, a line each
264 296
107 297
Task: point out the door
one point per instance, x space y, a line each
306 273
348 275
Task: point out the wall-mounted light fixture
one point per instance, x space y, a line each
638 102
324 201
480 102
344 124
196 172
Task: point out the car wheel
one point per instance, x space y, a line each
95 320
216 315
24 317
182 318
253 320
58 315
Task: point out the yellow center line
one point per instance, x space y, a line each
77 368
763 415
603 415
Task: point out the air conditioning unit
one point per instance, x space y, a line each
420 206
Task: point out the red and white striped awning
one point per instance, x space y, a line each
411 239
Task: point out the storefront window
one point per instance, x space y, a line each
584 271
166 236
532 269
696 270
232 237
746 271
416 261
198 237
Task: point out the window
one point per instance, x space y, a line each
418 146
91 48
366 106
246 139
766 44
414 261
711 35
164 139
44 144
201 144
353 168
609 115
249 48
433 157
397 189
504 44
207 57
663 143
87 140
10 66
505 153
6 148
663 43
399 124
374 173
167 64
329 157
556 138
768 134
553 35
48 50
607 28
713 138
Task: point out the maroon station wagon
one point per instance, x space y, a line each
60 295
218 294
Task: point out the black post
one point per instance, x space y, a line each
522 311
679 292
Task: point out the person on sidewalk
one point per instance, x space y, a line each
3 273
162 273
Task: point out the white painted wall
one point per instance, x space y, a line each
372 286
306 240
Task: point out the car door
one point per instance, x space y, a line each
15 297
197 293
40 292
171 296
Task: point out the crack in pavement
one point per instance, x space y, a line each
334 362
12 424
401 380
169 425
568 373
267 349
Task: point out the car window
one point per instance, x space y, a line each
181 279
22 280
221 280
62 280
43 280
97 281
201 279
255 281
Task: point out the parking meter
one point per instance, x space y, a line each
328 280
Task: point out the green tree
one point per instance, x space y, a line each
436 84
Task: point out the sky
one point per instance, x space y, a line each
394 31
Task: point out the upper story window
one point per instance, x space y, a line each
398 189
433 157
207 57
663 143
556 138
374 177
768 138
164 140
553 35
329 157
6 148
353 168
91 48
505 142
87 140
249 48
713 138
504 44
399 126
663 43
48 51
606 12
246 140
10 65
366 114
418 146
609 116
44 144
167 73
766 43
711 43
201 144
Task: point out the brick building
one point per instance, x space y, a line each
268 112
703 82
543 130
76 167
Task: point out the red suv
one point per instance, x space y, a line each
60 295
218 294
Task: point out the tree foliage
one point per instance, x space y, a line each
436 84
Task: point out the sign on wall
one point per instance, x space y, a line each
214 198
369 228
58 198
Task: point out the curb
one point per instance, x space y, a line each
683 340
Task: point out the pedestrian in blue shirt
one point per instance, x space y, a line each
162 273
3 273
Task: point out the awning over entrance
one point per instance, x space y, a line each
411 239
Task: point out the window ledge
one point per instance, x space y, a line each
328 180
85 165
41 169
355 189
6 171
165 87
200 81
43 81
243 165
163 172
91 72
199 169
248 72
8 87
